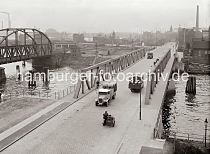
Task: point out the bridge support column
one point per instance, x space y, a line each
31 82
24 63
159 129
2 74
148 90
18 72
152 83
171 89
191 85
46 75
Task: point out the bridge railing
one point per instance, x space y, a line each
10 95
188 136
158 129
155 74
91 75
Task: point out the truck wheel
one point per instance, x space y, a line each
113 97
113 124
96 103
106 104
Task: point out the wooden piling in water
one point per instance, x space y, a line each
191 85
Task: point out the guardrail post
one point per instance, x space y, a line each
152 83
148 90
83 87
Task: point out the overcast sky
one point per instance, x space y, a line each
104 15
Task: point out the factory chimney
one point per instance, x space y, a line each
197 19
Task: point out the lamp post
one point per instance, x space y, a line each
140 102
206 122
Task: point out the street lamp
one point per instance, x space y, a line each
8 16
140 102
206 123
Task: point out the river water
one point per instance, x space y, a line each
13 86
186 113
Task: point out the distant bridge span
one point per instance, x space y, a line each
18 44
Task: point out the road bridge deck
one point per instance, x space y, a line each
78 129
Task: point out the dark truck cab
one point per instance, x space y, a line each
150 55
135 83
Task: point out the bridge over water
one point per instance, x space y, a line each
17 44
78 126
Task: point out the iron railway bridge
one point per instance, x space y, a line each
17 44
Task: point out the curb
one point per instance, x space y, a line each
11 139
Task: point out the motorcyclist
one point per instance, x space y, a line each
105 115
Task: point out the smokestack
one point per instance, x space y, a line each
197 19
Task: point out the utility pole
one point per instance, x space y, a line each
2 24
156 38
140 104
8 17
206 123
139 37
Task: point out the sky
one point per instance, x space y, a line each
104 15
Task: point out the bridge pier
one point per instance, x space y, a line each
18 72
46 75
191 85
2 74
24 63
171 89
31 82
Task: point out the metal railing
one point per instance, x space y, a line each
111 66
157 124
188 136
9 95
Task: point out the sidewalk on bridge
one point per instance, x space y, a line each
140 133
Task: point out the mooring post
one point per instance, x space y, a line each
206 123
191 85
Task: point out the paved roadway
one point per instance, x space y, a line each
79 130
